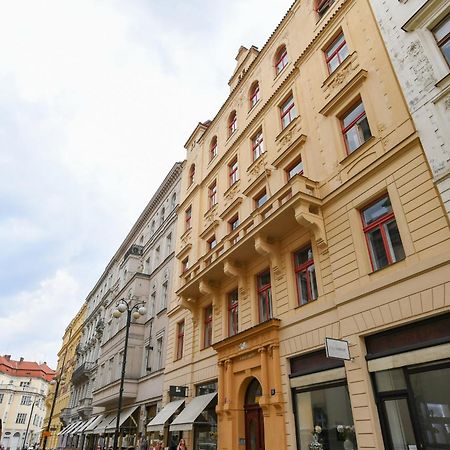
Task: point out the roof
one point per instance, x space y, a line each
24 368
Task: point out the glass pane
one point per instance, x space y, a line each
303 256
302 288
312 282
432 405
445 49
352 115
363 130
298 168
264 279
390 380
353 139
377 250
343 52
263 312
335 45
394 240
329 408
399 424
378 209
333 63
442 29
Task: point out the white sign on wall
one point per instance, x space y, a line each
337 348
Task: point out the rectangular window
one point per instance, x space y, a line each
152 304
336 53
233 313
305 275
212 242
264 296
159 353
157 254
322 6
180 339
21 418
261 198
233 171
188 218
441 33
355 127
257 145
164 296
294 169
26 400
234 223
212 194
1 397
213 149
169 243
288 112
382 236
185 264
207 326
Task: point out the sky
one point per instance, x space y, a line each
97 98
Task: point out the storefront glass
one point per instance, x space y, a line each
205 427
324 415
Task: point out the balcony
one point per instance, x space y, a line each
81 373
84 408
108 395
66 414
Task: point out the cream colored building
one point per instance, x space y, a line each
308 210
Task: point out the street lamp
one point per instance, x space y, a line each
134 312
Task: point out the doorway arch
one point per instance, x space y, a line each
254 419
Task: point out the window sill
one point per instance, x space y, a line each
254 107
377 271
232 187
161 311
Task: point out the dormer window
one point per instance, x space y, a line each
281 59
254 94
232 123
213 148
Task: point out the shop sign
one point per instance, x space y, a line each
178 391
337 348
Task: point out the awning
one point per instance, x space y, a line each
101 427
91 427
78 427
69 428
158 422
85 424
185 420
123 416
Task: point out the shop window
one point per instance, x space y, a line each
264 296
213 148
295 169
191 174
261 198
207 326
287 112
305 274
441 33
257 145
232 123
281 59
382 235
355 127
336 53
254 94
212 194
233 171
180 339
188 218
233 313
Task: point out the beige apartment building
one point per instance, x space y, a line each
308 211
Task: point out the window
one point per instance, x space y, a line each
212 242
254 94
441 33
233 313
322 6
336 53
261 198
234 222
180 339
191 174
233 171
164 296
281 59
24 383
157 254
1 397
355 127
159 353
163 213
169 243
152 228
213 148
21 418
264 296
207 326
212 194
187 218
305 275
26 400
257 145
173 200
294 169
288 112
232 123
382 236
185 264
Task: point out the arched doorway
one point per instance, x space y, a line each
254 420
15 442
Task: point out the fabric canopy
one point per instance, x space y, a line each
185 420
123 416
85 424
69 428
101 427
158 422
78 427
91 427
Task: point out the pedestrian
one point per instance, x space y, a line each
182 445
143 444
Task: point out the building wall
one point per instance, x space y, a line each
422 70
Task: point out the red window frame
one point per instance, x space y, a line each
257 145
322 6
191 174
254 94
180 339
232 123
281 59
213 148
346 129
188 218
286 109
233 312
264 294
336 51
212 194
293 166
303 268
233 171
207 326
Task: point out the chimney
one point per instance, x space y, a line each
8 357
21 359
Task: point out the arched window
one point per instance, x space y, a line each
213 148
191 174
232 123
281 59
254 94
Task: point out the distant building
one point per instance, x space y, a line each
23 387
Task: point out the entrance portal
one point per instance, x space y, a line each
254 420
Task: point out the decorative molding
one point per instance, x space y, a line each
313 222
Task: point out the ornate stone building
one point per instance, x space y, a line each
308 210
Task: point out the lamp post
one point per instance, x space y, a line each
35 402
134 312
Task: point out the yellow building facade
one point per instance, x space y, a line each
61 387
308 211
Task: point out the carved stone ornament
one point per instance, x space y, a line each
186 238
211 215
258 167
231 193
288 137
